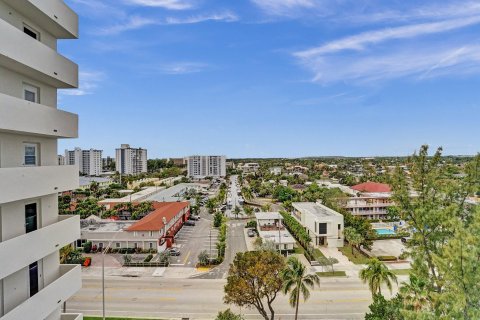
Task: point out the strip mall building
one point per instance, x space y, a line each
156 231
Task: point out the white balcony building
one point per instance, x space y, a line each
88 162
130 160
33 284
206 166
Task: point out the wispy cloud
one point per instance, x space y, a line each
88 82
284 7
358 42
166 4
179 68
224 16
131 23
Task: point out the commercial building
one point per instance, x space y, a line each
250 167
33 284
130 160
155 231
206 166
270 228
89 162
324 225
371 200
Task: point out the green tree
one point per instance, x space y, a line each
297 281
211 204
415 294
375 274
353 237
228 315
254 280
236 211
382 309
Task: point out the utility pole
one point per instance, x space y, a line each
210 243
279 236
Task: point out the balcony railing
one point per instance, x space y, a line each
37 244
30 182
25 117
50 297
71 316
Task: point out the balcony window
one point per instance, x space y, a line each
31 154
31 93
30 217
31 32
33 278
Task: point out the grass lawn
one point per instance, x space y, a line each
299 249
317 254
357 257
401 272
109 318
332 274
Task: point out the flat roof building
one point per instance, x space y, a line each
130 161
270 228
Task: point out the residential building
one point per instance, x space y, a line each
371 200
324 225
130 160
60 160
108 163
155 231
276 171
199 167
89 162
33 283
270 228
250 167
86 182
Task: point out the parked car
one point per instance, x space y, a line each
251 233
194 218
406 239
173 251
189 223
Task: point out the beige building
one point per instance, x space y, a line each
130 160
33 284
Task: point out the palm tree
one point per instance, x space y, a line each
296 281
415 293
376 273
353 237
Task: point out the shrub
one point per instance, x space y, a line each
87 247
296 228
203 258
251 224
387 258
148 258
217 219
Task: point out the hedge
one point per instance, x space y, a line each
390 236
387 258
296 229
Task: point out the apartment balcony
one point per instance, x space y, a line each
23 54
71 316
25 117
37 244
52 15
50 297
30 182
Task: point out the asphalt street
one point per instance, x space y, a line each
202 299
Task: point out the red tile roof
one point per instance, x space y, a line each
154 220
372 187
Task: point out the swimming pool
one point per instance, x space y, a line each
385 231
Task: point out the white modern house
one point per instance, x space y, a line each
324 225
33 284
130 160
270 228
206 166
89 162
276 170
250 167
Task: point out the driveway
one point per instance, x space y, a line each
390 247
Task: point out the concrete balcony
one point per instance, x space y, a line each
30 182
37 244
71 316
50 297
25 117
52 15
23 54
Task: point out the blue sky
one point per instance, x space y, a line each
276 78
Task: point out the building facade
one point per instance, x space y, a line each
206 166
89 162
270 228
370 200
33 283
130 160
324 225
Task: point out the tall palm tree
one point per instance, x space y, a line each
415 293
296 281
376 273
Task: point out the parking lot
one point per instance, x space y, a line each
193 240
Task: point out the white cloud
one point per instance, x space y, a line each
166 4
131 23
179 68
283 7
225 16
88 82
358 42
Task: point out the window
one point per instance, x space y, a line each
31 32
322 228
31 154
30 217
150 245
33 278
151 234
135 245
31 93
117 244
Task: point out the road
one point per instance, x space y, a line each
202 299
234 197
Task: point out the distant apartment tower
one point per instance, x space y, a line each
206 166
89 162
107 163
130 160
60 160
33 283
